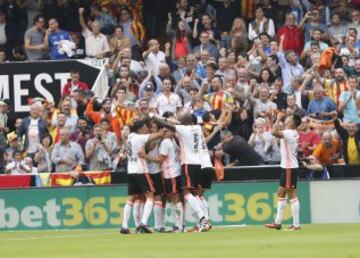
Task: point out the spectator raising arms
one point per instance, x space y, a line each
96 43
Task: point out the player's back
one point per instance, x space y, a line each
190 143
171 165
135 143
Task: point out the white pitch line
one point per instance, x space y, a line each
56 237
89 235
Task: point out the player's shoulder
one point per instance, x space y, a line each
165 142
290 133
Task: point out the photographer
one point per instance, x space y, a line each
97 151
312 169
83 133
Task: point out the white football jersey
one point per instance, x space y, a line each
205 156
153 167
288 148
135 143
190 143
171 165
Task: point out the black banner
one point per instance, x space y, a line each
20 81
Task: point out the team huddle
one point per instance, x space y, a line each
169 164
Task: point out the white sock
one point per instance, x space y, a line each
147 211
195 205
179 215
127 214
280 210
295 210
163 216
141 208
157 214
136 213
204 206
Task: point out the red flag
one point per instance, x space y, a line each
15 181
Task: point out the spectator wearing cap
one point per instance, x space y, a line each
73 84
8 35
58 42
33 127
34 39
96 43
104 112
14 144
66 154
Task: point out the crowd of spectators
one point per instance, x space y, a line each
233 64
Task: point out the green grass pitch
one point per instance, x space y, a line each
336 240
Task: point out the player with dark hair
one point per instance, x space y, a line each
289 170
190 136
139 181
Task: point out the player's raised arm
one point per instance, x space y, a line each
164 122
275 130
157 135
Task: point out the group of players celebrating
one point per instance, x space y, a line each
169 163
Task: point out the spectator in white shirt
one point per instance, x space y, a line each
168 101
17 166
261 24
96 43
153 56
